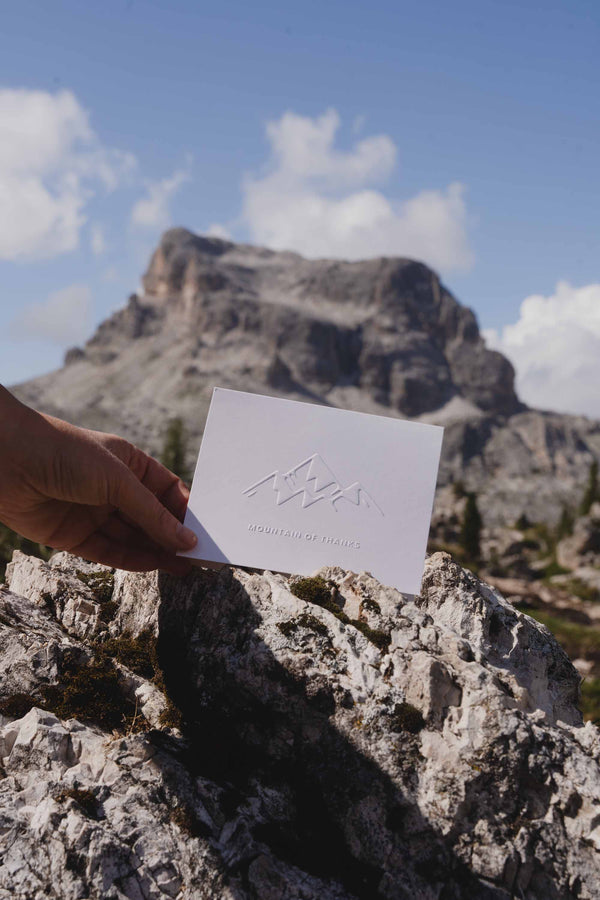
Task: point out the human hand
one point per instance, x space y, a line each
93 494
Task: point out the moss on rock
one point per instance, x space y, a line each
317 590
407 717
15 706
136 653
100 583
86 799
313 590
90 692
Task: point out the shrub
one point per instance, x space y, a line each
470 532
591 492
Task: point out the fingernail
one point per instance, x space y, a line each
187 539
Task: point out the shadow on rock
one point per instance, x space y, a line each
301 796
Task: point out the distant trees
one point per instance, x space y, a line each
565 524
522 523
470 532
591 492
174 450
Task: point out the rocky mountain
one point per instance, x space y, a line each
381 336
246 736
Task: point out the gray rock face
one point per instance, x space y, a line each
338 740
386 326
379 336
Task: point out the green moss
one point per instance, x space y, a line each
313 590
108 611
171 717
338 613
90 692
381 639
137 654
303 621
590 699
140 654
370 605
317 590
15 706
189 823
288 628
84 798
100 583
407 717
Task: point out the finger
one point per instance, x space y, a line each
103 549
130 536
139 504
169 489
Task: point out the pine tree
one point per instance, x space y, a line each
591 492
522 523
565 525
174 448
470 532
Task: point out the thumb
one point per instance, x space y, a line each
141 506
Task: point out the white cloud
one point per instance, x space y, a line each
555 348
51 164
219 231
65 317
320 201
152 211
97 240
303 149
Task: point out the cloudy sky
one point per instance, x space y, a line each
462 134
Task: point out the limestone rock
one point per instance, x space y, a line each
76 596
339 740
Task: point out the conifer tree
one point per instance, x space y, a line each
470 532
591 492
565 525
174 448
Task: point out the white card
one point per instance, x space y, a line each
291 487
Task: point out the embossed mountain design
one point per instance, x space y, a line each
313 480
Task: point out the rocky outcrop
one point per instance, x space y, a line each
381 336
247 735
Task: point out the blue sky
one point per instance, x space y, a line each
478 123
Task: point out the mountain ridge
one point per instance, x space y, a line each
382 336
